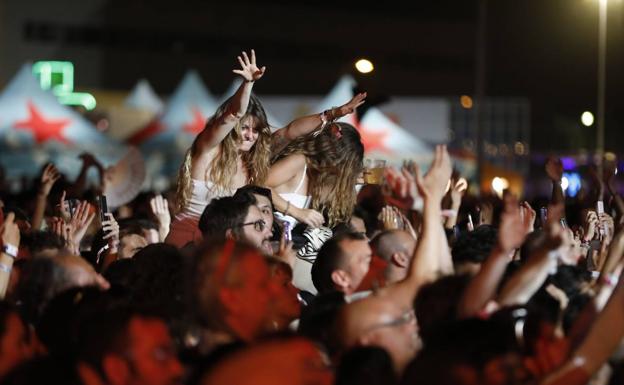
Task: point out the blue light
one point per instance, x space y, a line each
574 183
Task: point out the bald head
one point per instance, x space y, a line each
397 248
393 241
77 272
379 321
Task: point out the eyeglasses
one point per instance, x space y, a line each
403 319
258 225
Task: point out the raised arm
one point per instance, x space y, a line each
426 264
457 191
532 274
49 176
9 232
283 171
609 176
306 124
554 170
603 339
79 186
482 287
218 127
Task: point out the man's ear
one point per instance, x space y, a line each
229 234
400 259
341 278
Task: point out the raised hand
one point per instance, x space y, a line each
111 230
590 226
458 190
49 176
249 70
80 221
409 171
433 185
528 216
350 106
63 230
513 229
607 227
609 171
554 169
9 231
286 253
160 209
391 218
486 213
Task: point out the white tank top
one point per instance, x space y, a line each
203 193
296 199
183 228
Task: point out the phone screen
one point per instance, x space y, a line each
103 207
287 232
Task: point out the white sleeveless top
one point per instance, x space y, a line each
296 199
202 194
183 228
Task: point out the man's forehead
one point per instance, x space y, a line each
253 213
262 200
355 246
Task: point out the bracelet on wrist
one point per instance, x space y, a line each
10 250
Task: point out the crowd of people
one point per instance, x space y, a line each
272 262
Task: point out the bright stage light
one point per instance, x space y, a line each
364 66
499 185
587 118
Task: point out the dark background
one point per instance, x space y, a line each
543 50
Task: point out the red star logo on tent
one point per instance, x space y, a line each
42 129
150 130
197 124
373 140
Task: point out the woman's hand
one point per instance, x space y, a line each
310 217
350 106
249 70
49 176
111 229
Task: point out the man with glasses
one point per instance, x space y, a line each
380 321
237 218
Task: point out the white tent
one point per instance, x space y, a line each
384 139
35 128
143 97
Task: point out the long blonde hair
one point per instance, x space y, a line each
334 162
256 161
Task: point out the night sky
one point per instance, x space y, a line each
544 50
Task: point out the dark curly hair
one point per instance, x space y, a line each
474 246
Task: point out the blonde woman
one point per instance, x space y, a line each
317 174
233 150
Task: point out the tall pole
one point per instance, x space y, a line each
602 74
480 88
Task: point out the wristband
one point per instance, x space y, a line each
610 280
5 268
10 250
